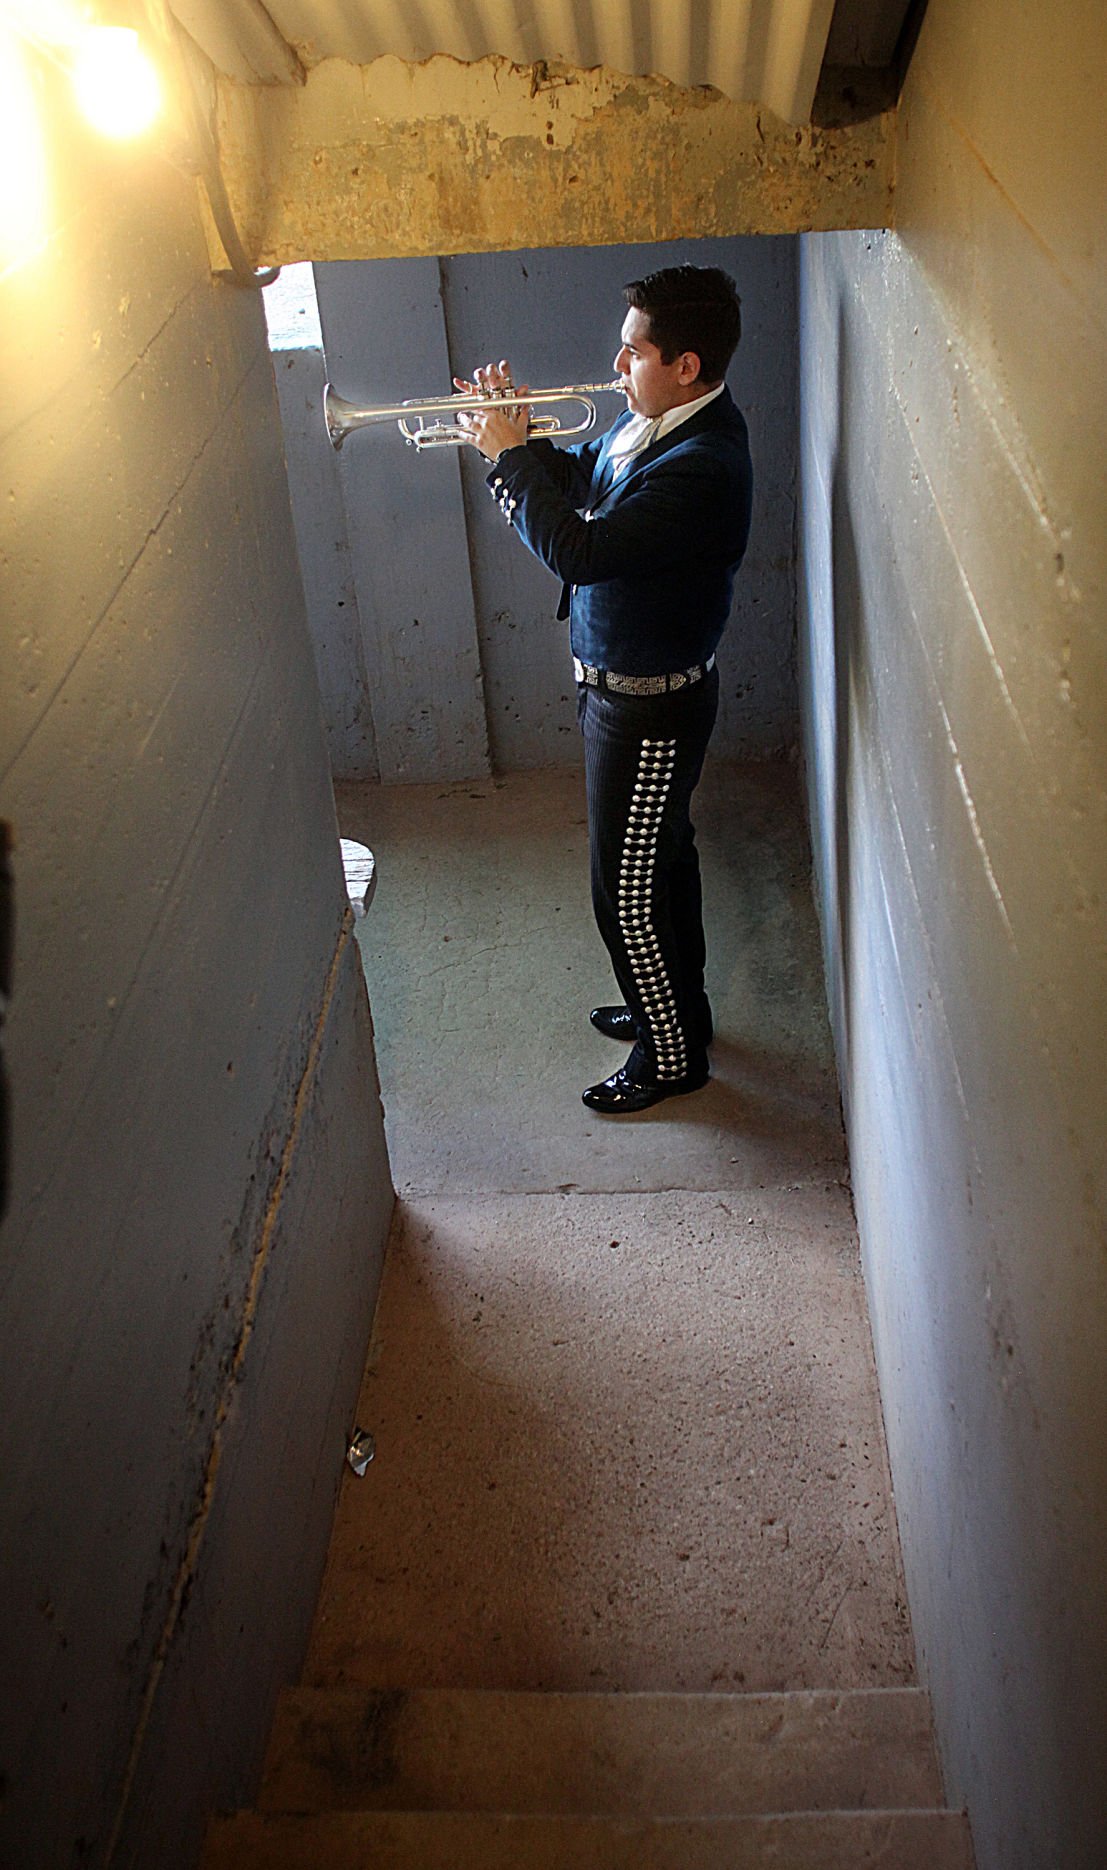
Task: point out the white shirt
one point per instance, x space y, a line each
642 431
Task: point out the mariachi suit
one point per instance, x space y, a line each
647 579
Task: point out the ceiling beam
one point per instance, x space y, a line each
395 159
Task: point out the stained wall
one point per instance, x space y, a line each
396 158
953 666
199 1183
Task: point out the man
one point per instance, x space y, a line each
646 528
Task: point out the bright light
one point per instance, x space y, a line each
116 85
23 189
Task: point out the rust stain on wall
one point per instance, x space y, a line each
394 159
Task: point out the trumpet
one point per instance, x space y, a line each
342 416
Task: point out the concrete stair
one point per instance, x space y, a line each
447 1779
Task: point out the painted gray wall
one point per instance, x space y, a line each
385 340
466 663
953 674
323 549
200 1187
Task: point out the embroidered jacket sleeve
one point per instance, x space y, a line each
570 469
686 503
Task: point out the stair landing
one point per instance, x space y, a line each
623 1442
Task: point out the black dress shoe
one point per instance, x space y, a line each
619 1095
617 1022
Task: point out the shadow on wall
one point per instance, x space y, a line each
834 605
848 628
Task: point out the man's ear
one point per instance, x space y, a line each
689 367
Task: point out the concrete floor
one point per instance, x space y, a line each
628 1432
483 960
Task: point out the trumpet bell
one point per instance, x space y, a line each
339 416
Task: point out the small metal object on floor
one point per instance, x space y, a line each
361 1451
360 867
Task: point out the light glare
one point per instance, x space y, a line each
116 85
23 189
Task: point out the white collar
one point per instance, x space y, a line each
685 411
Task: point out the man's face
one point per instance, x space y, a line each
652 386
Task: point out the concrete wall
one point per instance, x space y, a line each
465 661
200 1188
385 340
326 568
953 678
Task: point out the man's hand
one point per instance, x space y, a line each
493 429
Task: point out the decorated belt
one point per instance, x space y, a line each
641 684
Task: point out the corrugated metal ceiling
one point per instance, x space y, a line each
763 51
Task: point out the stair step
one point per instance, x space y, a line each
672 1755
493 1841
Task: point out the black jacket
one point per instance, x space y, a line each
648 575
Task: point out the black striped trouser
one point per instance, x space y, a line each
643 755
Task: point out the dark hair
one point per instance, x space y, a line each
690 308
